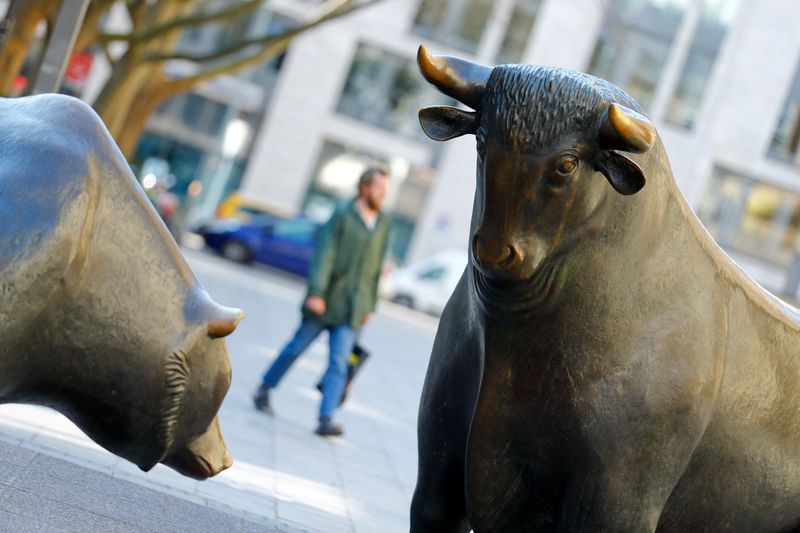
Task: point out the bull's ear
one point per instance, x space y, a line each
442 123
623 174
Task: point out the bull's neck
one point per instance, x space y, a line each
642 215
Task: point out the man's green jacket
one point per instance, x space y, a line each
347 266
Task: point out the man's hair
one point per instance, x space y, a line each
369 174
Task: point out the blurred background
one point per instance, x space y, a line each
260 111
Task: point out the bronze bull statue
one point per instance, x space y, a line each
100 316
602 365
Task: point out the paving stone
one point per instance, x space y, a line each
80 497
15 523
15 454
47 511
9 472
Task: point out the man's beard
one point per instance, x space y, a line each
372 203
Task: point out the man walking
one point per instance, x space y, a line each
342 292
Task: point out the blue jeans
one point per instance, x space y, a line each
341 339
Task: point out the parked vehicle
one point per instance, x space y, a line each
287 244
427 284
243 207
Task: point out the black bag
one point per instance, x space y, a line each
354 363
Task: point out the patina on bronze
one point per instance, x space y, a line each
100 316
602 364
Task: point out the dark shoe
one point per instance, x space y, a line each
261 401
327 428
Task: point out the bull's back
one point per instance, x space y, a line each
43 200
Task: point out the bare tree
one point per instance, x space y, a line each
138 83
25 18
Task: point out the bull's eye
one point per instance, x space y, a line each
566 165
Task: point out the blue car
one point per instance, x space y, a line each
287 244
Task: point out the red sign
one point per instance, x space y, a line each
79 67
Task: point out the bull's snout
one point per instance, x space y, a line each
495 255
205 456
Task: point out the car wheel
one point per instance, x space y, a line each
236 251
404 299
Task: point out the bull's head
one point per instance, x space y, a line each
543 136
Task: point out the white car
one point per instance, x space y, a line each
427 284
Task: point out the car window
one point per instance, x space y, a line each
295 230
432 274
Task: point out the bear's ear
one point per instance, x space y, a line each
622 173
442 123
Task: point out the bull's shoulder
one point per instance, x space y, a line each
45 189
38 126
47 141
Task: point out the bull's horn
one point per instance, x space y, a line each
459 78
225 321
625 129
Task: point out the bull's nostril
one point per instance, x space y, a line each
509 257
501 257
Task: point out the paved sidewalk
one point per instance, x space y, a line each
41 493
284 476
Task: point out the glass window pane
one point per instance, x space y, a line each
635 42
750 216
518 31
786 139
193 110
335 178
386 90
457 23
715 19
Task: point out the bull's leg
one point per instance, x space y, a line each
600 503
448 399
623 481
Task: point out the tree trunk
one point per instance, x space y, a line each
151 96
27 16
117 99
131 74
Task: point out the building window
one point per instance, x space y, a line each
336 177
751 216
386 90
635 42
456 23
786 139
715 19
520 24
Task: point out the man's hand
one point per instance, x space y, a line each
316 305
365 319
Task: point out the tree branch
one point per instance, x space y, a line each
136 10
186 83
88 32
240 10
343 8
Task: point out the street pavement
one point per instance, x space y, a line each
284 477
